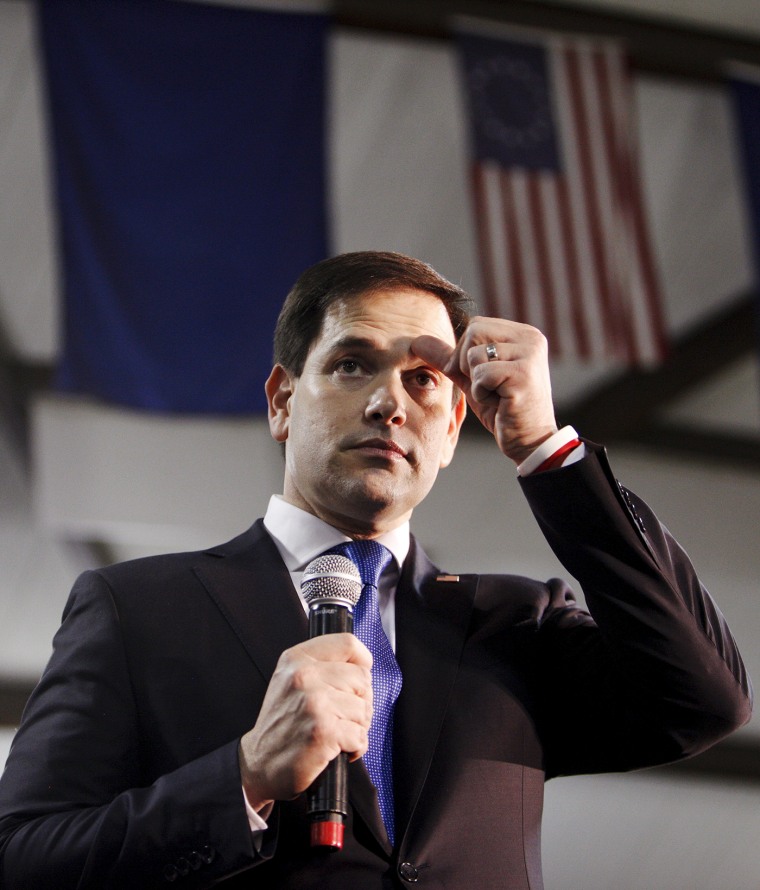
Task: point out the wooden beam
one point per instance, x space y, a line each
733 449
623 407
629 407
657 45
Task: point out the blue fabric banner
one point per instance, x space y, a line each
189 161
746 96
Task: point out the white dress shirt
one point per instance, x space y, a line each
301 537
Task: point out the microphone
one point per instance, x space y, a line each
331 586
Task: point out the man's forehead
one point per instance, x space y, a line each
396 313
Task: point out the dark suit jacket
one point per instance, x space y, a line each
124 772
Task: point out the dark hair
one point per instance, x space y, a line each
352 275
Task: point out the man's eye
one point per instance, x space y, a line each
425 380
348 366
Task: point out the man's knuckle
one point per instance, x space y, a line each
301 676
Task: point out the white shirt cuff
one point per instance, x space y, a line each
257 821
546 449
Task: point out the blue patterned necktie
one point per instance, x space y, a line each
371 558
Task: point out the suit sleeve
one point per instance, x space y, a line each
653 674
75 809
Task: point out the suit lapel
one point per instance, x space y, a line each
253 589
432 619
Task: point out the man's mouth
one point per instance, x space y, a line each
380 448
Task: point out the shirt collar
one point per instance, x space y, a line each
300 536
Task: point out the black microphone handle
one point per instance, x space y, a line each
327 796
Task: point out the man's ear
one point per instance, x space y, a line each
458 412
279 388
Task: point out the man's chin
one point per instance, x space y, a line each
377 493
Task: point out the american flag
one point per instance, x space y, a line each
561 229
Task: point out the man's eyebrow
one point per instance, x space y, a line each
354 342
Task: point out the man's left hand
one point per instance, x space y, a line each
510 389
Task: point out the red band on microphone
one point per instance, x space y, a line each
327 834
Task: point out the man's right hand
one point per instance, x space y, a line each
319 703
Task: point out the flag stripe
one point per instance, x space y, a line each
596 73
650 315
590 187
544 283
515 249
526 225
577 228
572 266
483 231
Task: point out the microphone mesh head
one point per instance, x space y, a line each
331 577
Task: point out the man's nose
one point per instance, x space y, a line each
387 404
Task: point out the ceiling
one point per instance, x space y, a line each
739 16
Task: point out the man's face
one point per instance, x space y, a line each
368 424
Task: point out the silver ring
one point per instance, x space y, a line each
491 352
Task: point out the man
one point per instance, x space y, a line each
184 712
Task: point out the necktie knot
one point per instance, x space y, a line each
370 557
